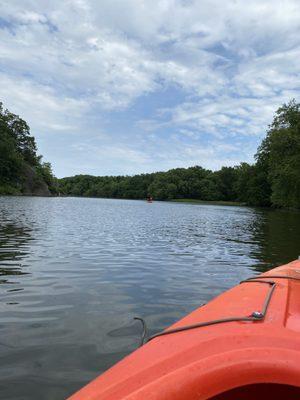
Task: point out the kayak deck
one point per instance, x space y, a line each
255 348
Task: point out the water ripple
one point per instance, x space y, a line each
74 272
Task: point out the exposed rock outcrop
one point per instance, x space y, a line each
33 184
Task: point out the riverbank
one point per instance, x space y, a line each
190 201
209 202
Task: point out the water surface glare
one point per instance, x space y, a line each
75 271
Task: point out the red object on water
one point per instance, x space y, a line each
257 359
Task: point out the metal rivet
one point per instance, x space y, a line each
257 315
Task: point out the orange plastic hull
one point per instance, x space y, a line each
220 359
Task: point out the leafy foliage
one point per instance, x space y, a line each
18 151
181 183
279 156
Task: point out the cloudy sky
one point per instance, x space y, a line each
131 86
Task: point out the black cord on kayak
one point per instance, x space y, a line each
255 316
144 333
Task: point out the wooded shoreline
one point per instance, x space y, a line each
272 181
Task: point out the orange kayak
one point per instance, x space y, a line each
244 344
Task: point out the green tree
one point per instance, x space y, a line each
44 171
19 162
251 185
279 155
19 131
226 183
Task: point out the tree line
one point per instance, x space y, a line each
272 180
243 183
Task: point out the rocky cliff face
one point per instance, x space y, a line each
33 185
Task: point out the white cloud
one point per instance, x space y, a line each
65 66
41 106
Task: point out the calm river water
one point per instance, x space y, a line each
75 271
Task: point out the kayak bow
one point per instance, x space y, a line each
243 344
